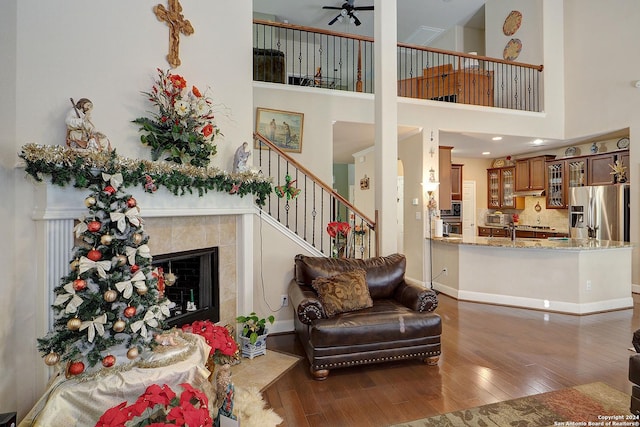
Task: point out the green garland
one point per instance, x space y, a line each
65 165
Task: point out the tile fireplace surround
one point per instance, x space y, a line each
173 223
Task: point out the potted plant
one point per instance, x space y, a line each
253 336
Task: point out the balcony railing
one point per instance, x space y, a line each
303 56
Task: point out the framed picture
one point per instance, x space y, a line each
283 128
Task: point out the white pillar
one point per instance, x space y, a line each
386 123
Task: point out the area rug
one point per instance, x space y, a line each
589 404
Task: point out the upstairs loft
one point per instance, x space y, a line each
303 56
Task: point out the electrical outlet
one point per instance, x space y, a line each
588 285
445 271
284 300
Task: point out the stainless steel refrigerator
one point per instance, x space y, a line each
600 212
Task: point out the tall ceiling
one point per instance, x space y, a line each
417 21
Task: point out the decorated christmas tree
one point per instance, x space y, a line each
108 308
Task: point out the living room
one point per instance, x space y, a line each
120 52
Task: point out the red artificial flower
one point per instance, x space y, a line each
338 228
163 119
114 417
177 81
207 130
196 92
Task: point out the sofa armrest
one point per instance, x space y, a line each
306 303
416 298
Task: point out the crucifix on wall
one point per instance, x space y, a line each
177 24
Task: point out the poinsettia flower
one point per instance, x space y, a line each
177 81
196 92
114 417
338 228
182 107
207 131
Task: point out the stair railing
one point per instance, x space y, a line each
311 209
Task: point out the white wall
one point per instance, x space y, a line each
107 52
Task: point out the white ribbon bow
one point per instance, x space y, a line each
163 308
142 250
126 287
80 228
75 300
141 325
115 180
97 324
102 266
131 215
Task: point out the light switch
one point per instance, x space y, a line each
414 202
418 215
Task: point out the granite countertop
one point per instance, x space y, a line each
525 243
530 228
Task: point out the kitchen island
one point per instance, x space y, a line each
577 276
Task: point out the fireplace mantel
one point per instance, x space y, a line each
56 209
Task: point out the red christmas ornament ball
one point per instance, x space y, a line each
108 361
94 255
79 285
134 268
94 226
109 189
131 202
76 368
129 312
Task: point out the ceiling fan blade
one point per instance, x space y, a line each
332 7
363 8
333 21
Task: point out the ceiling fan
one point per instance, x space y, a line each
346 12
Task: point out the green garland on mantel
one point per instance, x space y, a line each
65 164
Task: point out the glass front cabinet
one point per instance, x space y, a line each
500 187
560 175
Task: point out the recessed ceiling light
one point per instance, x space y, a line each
486 153
497 138
537 141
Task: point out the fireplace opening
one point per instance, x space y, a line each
191 282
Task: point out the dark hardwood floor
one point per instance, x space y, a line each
489 354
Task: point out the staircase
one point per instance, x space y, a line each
310 209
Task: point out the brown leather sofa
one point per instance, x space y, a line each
634 374
399 324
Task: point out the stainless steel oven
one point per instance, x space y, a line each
452 218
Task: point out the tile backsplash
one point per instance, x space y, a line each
554 218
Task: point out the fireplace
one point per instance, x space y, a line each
190 280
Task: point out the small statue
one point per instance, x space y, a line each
81 132
240 159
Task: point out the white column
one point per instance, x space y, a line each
386 123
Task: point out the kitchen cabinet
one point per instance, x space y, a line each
598 169
492 232
456 182
559 176
500 188
624 158
530 173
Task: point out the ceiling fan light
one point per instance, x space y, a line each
340 19
343 12
352 19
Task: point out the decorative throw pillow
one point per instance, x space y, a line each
343 292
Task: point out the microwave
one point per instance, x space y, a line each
496 219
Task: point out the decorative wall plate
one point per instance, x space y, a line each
512 23
498 163
571 151
623 143
512 49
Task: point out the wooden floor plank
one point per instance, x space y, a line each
490 354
